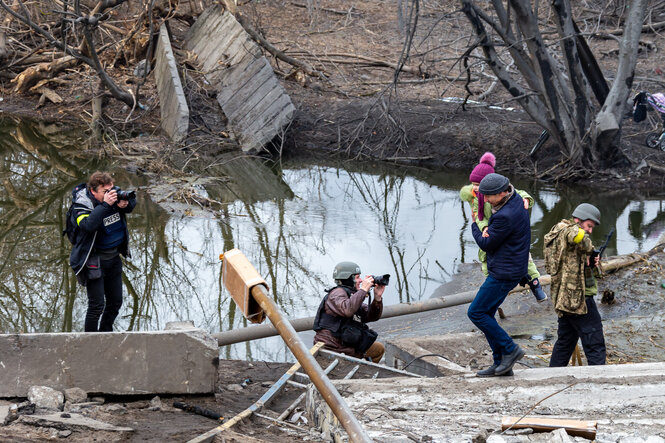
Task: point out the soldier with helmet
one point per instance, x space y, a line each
340 322
568 249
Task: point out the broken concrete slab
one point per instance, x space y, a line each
172 102
4 412
252 98
460 408
160 362
419 353
72 422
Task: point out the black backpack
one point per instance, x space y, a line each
71 228
640 107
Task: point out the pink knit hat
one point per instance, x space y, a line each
486 166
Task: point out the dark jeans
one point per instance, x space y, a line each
104 297
482 310
588 328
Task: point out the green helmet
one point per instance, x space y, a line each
345 269
587 211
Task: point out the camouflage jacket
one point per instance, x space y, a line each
566 249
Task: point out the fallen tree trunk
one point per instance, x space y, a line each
32 75
306 324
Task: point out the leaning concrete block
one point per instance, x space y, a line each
172 101
176 362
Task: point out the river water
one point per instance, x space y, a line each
294 221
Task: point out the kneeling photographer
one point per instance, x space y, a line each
341 317
97 228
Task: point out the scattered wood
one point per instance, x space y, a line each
32 75
577 428
350 11
259 404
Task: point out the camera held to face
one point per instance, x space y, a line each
124 195
381 280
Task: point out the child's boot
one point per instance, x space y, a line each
537 290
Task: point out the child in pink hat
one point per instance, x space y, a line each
476 200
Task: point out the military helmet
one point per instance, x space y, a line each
586 211
345 269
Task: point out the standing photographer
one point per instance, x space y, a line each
101 235
341 317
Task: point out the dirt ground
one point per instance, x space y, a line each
632 331
329 114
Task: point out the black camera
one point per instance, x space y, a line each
381 280
124 195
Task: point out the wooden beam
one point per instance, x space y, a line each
577 428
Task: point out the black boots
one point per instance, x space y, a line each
508 360
491 372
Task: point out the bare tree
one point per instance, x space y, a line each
52 36
557 80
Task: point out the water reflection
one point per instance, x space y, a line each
294 223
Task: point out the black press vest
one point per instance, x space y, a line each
333 323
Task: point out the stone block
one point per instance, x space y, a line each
45 397
172 101
160 362
76 395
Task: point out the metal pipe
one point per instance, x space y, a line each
311 367
306 324
330 354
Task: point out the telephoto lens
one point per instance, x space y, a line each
124 195
381 280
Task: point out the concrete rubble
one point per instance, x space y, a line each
71 422
75 395
45 397
180 361
626 401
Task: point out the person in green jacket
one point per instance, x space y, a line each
470 194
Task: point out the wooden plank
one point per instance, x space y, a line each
267 126
265 398
214 55
230 31
201 40
219 77
248 91
239 49
265 93
271 129
577 428
261 116
244 90
239 80
191 38
228 55
228 81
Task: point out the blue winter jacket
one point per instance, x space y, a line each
509 240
